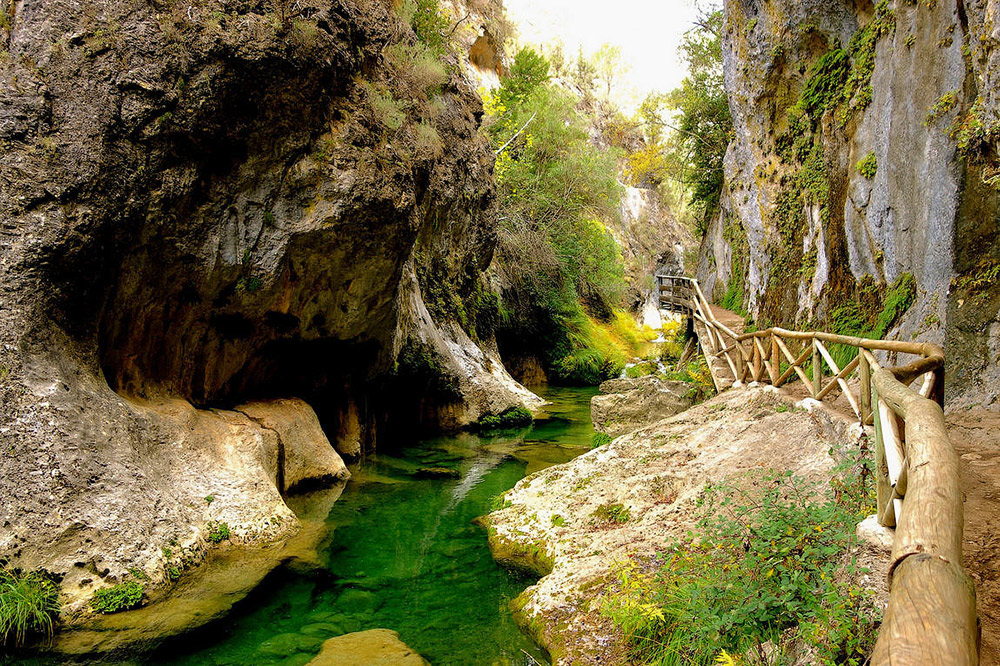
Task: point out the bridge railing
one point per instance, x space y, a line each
931 617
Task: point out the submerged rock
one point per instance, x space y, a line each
437 473
629 404
375 647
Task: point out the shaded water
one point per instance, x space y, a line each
403 554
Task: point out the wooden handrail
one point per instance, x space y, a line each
931 617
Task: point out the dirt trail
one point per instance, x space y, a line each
975 435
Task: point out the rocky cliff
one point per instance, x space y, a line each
861 187
210 208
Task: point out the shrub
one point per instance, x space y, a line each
515 417
671 351
387 110
600 439
418 67
771 558
981 281
871 313
642 369
428 141
29 606
123 596
217 531
428 22
825 84
868 166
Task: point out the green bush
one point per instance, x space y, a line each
515 417
600 439
642 369
771 558
123 596
218 531
29 606
868 166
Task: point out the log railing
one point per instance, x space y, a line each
931 617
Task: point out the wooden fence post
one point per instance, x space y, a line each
817 383
775 359
883 491
865 372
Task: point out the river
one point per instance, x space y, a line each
402 553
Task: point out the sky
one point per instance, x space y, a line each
647 31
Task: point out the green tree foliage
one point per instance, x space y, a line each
701 125
555 191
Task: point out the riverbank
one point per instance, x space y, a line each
576 523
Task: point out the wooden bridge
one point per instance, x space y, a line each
931 618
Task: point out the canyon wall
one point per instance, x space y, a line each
862 183
226 225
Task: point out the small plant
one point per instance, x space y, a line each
781 408
498 503
612 513
868 166
209 499
515 417
558 521
981 281
600 439
138 573
218 531
946 103
120 597
173 573
29 606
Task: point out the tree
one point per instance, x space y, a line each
701 126
609 67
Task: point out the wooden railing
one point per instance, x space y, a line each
931 617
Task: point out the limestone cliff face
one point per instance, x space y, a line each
213 203
865 150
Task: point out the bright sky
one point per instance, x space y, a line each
647 31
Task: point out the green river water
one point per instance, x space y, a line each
402 553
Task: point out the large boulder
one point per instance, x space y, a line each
630 404
304 453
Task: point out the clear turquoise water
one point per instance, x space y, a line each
402 554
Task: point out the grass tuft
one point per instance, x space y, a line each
29 606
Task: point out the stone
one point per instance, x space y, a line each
437 473
306 453
871 532
630 404
375 647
